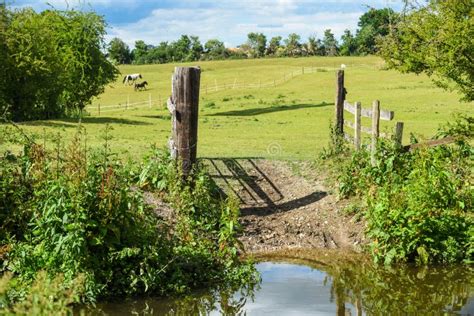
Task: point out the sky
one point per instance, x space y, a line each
227 20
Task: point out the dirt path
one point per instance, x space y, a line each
283 209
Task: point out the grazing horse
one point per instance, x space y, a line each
141 85
130 79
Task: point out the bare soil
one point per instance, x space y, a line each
285 205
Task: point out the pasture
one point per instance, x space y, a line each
289 120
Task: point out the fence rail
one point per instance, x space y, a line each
211 88
98 109
376 114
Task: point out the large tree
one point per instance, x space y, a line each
140 52
330 43
119 51
348 44
436 39
273 46
215 49
374 24
293 45
54 62
257 43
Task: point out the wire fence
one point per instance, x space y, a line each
213 88
287 76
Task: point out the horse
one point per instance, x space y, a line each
141 85
130 79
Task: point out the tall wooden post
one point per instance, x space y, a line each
357 125
339 103
375 129
184 106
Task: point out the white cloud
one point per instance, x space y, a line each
233 23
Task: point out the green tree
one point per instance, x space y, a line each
330 43
160 54
140 52
374 24
436 39
311 46
273 46
348 44
257 43
293 45
181 49
119 51
196 48
215 49
86 70
54 62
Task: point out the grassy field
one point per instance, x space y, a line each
286 121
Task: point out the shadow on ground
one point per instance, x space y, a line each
68 123
256 190
270 109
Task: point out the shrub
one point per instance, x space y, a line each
419 203
83 215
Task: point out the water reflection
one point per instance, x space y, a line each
322 284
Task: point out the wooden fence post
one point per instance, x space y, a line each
128 101
357 125
339 103
98 108
375 129
149 100
184 105
215 84
399 133
302 70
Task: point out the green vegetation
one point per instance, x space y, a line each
51 62
437 39
81 216
418 204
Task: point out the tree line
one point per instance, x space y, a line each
372 25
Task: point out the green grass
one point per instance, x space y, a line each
289 121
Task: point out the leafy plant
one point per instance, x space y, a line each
419 203
83 214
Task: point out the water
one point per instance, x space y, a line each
316 287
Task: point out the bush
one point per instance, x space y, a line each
419 203
83 216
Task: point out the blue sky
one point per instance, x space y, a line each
229 21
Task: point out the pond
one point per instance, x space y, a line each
316 285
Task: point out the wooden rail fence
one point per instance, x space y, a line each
376 114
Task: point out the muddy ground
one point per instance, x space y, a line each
285 205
